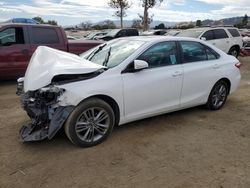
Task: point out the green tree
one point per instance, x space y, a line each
121 6
51 22
160 26
147 4
245 20
108 24
97 27
189 26
86 25
41 21
198 23
38 19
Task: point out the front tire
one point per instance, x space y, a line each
90 123
218 95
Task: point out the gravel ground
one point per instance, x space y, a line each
186 149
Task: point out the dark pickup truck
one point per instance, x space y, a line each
19 41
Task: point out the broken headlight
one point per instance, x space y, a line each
49 94
41 106
19 90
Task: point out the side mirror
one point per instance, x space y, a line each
140 64
203 38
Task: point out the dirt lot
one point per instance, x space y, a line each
191 148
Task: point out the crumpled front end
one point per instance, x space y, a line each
47 117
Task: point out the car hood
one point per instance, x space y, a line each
47 63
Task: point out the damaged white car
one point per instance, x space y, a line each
121 81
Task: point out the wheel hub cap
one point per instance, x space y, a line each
92 124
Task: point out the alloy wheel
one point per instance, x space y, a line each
92 124
219 95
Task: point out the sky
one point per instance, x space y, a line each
71 12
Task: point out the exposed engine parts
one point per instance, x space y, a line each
41 106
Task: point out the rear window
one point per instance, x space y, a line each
220 34
211 54
234 32
44 35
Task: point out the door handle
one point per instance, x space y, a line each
177 73
214 43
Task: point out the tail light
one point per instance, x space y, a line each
238 65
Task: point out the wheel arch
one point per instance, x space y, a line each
235 46
114 105
228 83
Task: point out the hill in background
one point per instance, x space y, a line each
225 21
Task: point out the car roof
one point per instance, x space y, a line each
158 38
26 24
215 27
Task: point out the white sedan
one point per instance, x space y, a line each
120 81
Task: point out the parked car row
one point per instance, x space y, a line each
19 41
245 33
117 33
228 39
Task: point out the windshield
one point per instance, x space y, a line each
194 33
113 32
172 33
90 35
112 53
147 33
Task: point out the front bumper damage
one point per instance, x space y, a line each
47 117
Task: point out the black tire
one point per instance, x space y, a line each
234 52
215 95
78 124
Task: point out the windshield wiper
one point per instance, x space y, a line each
105 62
95 52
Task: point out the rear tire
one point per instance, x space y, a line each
218 96
234 52
90 123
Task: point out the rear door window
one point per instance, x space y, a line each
234 32
220 34
193 52
211 54
44 35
